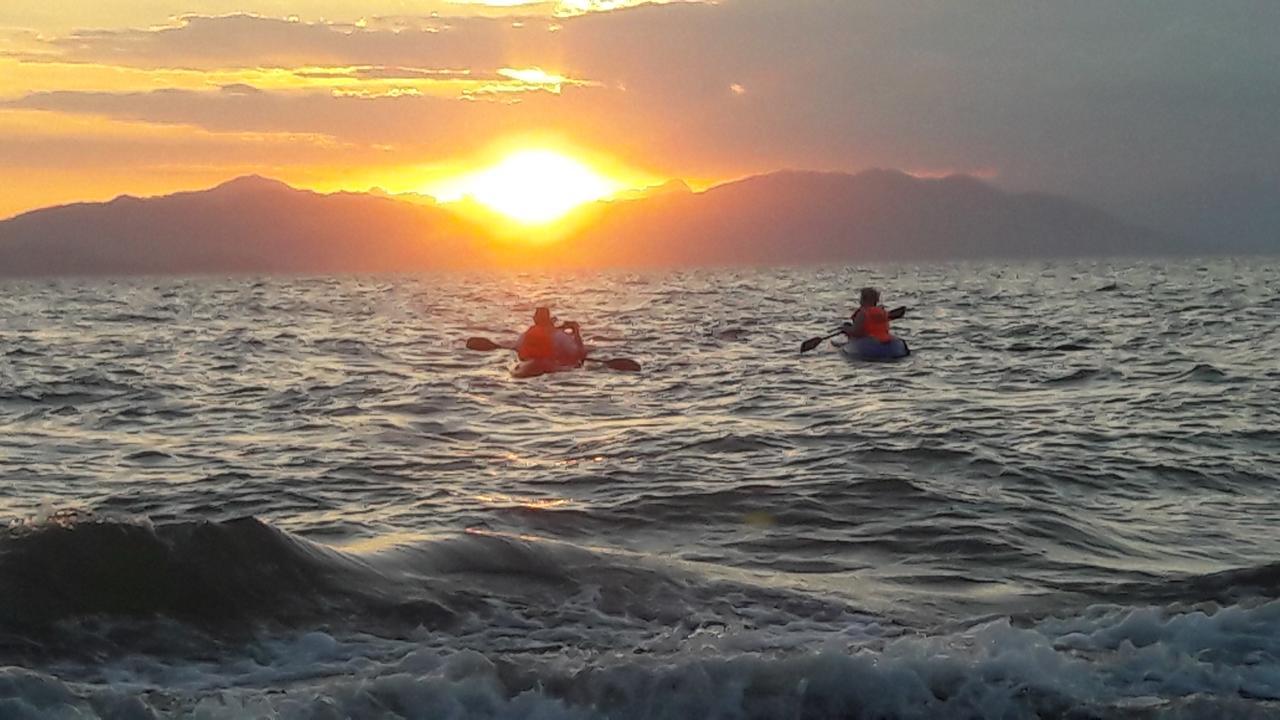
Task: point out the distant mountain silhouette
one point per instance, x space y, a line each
258 225
808 217
248 225
670 187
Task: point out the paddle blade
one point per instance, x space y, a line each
897 312
624 364
482 344
810 344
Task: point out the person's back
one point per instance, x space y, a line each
545 341
870 320
538 342
876 323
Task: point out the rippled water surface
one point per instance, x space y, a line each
303 497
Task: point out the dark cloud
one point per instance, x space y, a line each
247 41
239 89
393 73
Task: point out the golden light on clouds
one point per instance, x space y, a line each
535 77
533 187
18 78
455 98
566 8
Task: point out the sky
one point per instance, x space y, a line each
1113 101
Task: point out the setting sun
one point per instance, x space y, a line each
532 186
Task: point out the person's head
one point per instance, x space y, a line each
542 316
870 297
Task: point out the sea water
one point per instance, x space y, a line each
302 497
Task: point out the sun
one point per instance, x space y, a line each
533 187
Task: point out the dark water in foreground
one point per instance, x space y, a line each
303 498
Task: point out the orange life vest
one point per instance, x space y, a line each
875 324
537 344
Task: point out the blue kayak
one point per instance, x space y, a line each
871 349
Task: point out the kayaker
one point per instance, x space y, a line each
870 320
548 341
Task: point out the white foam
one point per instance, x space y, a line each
1107 661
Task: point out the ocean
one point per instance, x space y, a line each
302 497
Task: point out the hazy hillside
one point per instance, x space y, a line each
804 217
257 225
247 225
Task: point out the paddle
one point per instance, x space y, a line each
623 364
485 345
814 342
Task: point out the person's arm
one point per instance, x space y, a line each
855 328
576 331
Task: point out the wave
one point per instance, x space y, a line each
1228 586
223 577
1204 372
241 619
234 579
1106 662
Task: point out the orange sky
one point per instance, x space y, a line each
143 99
1099 100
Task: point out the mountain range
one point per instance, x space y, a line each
257 225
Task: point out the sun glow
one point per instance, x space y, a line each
533 187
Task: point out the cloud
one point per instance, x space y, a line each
240 89
421 128
373 81
566 8
64 17
535 77
250 41
21 41
368 72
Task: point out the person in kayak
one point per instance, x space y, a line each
548 341
870 320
